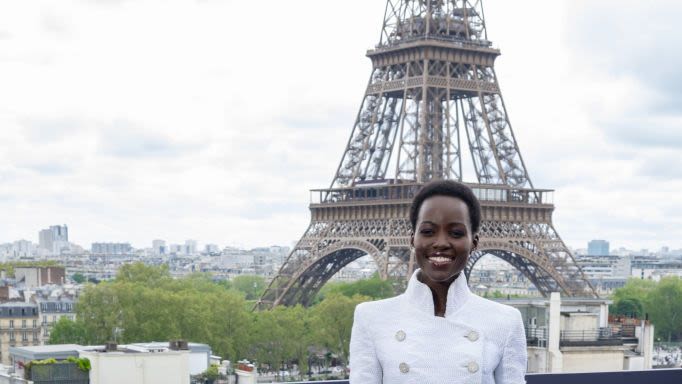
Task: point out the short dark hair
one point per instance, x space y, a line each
452 189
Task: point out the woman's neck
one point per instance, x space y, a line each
439 291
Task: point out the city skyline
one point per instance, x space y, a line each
196 129
199 244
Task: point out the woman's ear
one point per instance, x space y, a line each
474 243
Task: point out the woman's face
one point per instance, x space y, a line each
443 240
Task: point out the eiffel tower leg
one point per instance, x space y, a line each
328 246
536 250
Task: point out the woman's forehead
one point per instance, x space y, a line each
443 207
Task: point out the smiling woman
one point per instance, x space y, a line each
438 331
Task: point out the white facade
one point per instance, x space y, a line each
168 367
199 356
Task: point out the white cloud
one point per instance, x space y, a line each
135 120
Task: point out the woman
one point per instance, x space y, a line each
438 331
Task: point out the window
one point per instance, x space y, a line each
35 323
44 319
11 336
54 319
11 324
35 336
23 324
24 336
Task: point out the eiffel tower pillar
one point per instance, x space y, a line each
432 88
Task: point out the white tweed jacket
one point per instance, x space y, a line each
400 340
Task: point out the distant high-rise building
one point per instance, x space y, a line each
212 249
190 247
176 249
159 247
598 248
55 238
22 248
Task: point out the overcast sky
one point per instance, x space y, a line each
210 120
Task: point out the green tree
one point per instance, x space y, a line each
145 303
251 286
141 273
100 312
632 298
374 288
66 331
628 306
78 278
635 288
665 307
332 322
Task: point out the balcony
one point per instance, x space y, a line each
658 376
390 190
594 337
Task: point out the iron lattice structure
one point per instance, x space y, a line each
432 88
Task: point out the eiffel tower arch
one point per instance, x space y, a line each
432 90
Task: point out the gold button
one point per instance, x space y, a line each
400 335
404 368
472 336
472 367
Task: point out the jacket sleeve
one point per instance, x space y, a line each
512 367
364 364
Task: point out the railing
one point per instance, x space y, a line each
601 336
536 337
456 41
392 190
64 373
658 376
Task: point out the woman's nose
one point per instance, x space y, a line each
441 240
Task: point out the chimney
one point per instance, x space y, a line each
178 345
110 347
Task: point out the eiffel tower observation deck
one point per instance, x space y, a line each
432 92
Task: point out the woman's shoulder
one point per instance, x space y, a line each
378 307
502 312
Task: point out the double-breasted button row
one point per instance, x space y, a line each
400 336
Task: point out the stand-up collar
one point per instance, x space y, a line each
418 295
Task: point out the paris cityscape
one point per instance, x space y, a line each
204 191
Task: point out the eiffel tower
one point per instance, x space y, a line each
432 89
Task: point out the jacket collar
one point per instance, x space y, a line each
418 295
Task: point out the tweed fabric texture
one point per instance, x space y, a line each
400 340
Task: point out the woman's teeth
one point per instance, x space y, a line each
439 259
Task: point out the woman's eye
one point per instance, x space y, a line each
456 233
426 231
